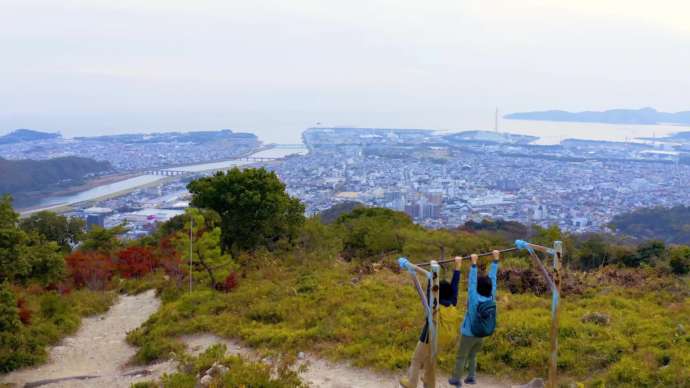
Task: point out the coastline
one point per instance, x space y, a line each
113 179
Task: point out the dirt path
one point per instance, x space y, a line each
96 356
322 373
98 348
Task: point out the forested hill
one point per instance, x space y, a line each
20 177
20 135
668 224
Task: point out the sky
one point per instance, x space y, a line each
275 67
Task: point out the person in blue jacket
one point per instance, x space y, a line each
479 322
448 296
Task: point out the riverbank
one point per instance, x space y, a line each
118 185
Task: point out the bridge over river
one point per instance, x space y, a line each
148 177
209 167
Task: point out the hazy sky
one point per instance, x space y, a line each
276 67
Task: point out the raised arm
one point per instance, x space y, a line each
455 282
472 281
493 271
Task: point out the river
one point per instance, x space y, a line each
127 185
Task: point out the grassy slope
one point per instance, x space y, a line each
374 320
53 317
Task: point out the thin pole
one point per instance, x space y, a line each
468 256
191 226
555 313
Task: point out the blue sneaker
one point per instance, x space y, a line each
454 382
470 380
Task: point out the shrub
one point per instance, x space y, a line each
647 253
24 312
53 306
372 231
135 262
680 260
91 269
241 373
9 313
13 352
229 283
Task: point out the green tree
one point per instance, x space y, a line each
104 240
318 240
12 263
45 258
54 227
373 231
593 253
254 208
647 253
206 252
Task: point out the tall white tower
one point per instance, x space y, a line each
496 120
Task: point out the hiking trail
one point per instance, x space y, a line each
97 355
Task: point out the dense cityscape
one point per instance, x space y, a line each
444 181
438 179
135 152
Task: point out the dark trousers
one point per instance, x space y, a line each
467 354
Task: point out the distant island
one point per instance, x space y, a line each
645 116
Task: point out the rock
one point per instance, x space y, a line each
217 370
680 329
597 318
301 356
535 383
206 381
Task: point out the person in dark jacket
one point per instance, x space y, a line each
448 296
479 289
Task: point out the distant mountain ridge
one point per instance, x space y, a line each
20 135
645 116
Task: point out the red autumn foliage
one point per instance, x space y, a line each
62 288
91 269
24 312
170 261
135 262
229 284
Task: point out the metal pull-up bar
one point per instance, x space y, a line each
468 256
553 281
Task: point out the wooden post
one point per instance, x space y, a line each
433 341
554 283
555 313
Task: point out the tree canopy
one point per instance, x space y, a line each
54 227
254 208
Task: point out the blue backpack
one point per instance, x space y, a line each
484 322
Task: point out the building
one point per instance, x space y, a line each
95 216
